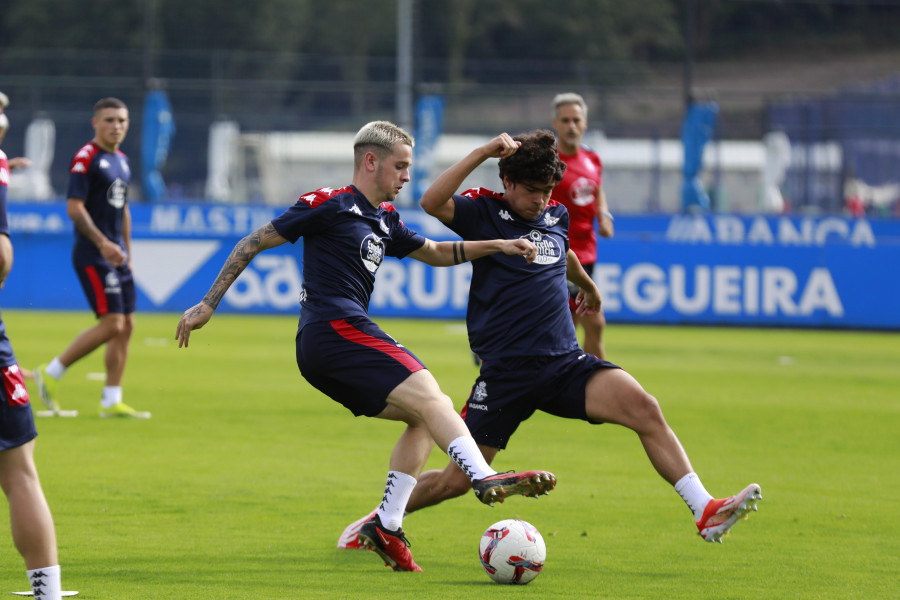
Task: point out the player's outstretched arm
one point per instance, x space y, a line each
244 251
447 254
437 200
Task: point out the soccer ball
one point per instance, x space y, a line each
512 551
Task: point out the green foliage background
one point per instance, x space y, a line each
242 481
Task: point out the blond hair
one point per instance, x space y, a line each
379 137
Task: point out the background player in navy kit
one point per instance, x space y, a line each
581 192
519 323
98 207
346 234
30 519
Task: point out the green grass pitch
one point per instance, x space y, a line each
242 481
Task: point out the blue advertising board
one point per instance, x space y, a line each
712 269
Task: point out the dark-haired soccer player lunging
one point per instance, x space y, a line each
347 232
519 323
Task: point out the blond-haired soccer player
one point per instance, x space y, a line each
347 232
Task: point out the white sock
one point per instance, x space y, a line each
45 583
397 491
691 490
465 453
56 369
112 395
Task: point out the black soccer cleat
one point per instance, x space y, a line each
495 488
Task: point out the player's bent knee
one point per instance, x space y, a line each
648 411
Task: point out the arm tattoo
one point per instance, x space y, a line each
459 253
236 262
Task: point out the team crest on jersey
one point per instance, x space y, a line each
549 250
371 251
115 195
582 191
112 285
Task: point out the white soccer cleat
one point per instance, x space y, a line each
720 515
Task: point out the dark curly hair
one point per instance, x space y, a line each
536 160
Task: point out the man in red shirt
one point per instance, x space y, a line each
581 191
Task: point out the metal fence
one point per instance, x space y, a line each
293 92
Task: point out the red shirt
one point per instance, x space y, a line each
578 192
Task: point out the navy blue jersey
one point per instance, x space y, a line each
345 239
100 179
516 308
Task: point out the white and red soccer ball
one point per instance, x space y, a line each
512 551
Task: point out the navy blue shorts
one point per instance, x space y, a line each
108 289
509 391
354 362
16 420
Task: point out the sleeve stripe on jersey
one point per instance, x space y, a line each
319 196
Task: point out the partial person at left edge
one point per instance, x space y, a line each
19 161
98 206
31 523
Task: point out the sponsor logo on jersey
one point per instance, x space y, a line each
549 250
104 164
355 210
384 227
115 195
550 221
79 168
504 214
371 251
